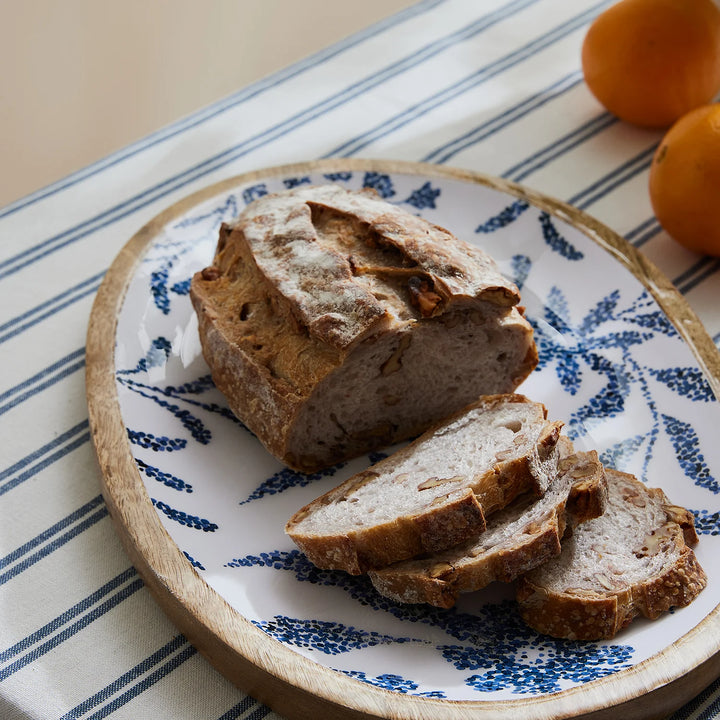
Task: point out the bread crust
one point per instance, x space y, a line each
599 612
439 579
453 518
320 289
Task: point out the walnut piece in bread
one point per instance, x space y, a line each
335 323
435 492
517 539
633 560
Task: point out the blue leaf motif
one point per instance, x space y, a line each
158 288
557 312
331 638
624 340
506 216
498 639
528 676
656 321
602 312
166 479
359 586
293 182
555 241
390 681
181 288
254 192
686 444
190 422
521 266
707 523
424 197
194 425
618 455
339 176
192 387
183 392
287 478
156 444
278 560
156 356
688 381
183 518
381 183
609 402
193 562
569 372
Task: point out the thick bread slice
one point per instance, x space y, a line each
335 323
517 539
632 560
434 492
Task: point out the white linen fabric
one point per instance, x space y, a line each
492 86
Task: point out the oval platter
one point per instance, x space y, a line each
200 506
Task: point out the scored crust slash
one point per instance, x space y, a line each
335 323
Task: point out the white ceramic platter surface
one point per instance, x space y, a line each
612 367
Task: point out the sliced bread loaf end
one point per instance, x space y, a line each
633 560
435 492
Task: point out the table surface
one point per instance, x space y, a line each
494 87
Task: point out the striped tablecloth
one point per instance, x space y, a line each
493 86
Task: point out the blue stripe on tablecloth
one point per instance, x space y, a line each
555 90
703 269
42 380
474 79
242 707
629 169
649 229
215 162
221 106
46 309
258 713
69 614
141 677
69 630
52 539
44 456
567 142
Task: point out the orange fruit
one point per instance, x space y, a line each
685 180
651 61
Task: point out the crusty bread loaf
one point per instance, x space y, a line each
434 492
335 323
517 539
632 560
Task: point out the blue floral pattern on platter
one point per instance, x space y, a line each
612 367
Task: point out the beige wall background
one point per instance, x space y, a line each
72 68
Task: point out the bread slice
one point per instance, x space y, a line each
434 492
335 323
633 560
517 539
